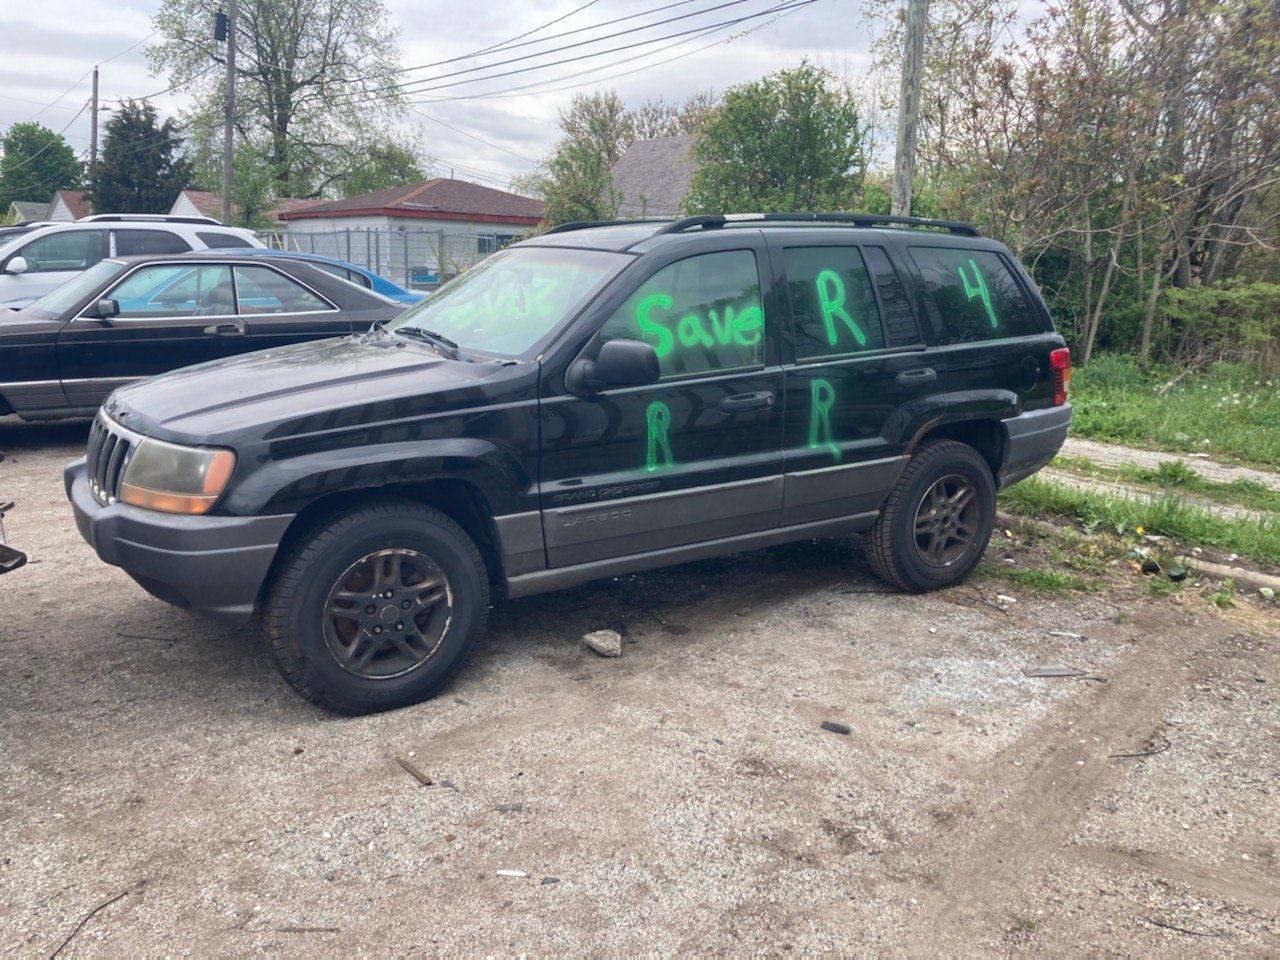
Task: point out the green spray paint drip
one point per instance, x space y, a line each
657 418
978 288
822 395
831 298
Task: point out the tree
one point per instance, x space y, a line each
317 82
792 141
252 186
35 163
141 168
657 118
385 165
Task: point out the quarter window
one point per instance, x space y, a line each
262 290
175 290
976 294
134 242
67 251
701 315
222 241
832 302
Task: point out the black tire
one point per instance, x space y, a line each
304 635
897 554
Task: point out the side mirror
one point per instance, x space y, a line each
106 308
620 363
16 265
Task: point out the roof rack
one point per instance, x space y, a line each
588 224
147 218
716 221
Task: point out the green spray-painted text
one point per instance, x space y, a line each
657 418
978 289
744 328
822 396
831 298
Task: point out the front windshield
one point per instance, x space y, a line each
62 299
513 299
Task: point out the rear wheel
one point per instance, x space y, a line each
376 608
937 520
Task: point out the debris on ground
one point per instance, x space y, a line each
607 643
414 772
1005 598
836 727
1052 670
1067 635
517 874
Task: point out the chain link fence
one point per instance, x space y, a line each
420 259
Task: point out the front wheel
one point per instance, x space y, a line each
376 608
937 520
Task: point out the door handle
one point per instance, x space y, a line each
234 329
922 375
741 402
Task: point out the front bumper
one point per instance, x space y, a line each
212 565
1031 440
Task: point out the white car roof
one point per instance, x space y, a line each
188 231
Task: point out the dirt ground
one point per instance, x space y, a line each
681 799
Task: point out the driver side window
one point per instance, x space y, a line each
702 314
175 290
71 250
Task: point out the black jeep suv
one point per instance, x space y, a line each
602 399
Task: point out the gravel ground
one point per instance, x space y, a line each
1115 455
680 799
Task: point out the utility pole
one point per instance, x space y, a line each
228 148
93 133
904 164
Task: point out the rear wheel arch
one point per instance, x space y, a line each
986 436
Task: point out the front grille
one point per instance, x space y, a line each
108 452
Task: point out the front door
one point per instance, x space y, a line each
859 367
169 317
694 457
51 261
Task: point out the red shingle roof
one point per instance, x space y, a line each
438 199
76 202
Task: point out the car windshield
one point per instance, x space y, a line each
59 301
513 299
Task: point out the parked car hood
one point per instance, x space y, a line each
324 384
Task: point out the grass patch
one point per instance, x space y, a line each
1226 410
1176 477
1169 516
1045 581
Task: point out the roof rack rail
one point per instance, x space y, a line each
588 224
148 218
715 221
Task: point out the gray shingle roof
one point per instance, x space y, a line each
652 177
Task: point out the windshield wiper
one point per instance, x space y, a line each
437 340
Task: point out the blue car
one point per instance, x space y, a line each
345 271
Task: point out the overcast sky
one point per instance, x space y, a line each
48 47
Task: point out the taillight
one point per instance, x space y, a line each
1060 372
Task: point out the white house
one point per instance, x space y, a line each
416 234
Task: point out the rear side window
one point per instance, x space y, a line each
262 290
133 242
68 250
832 303
976 295
701 315
222 241
342 273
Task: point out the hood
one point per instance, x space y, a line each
300 388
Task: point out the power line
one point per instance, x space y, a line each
115 56
56 138
475 137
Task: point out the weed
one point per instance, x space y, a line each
1225 596
1046 581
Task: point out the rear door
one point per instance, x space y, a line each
996 334
168 319
856 368
694 457
134 241
277 308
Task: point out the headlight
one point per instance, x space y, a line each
174 479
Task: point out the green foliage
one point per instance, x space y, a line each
1175 474
317 83
1235 319
1170 516
140 169
1227 410
793 140
35 163
578 185
252 184
386 165
1043 580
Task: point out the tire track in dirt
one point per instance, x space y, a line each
1019 817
